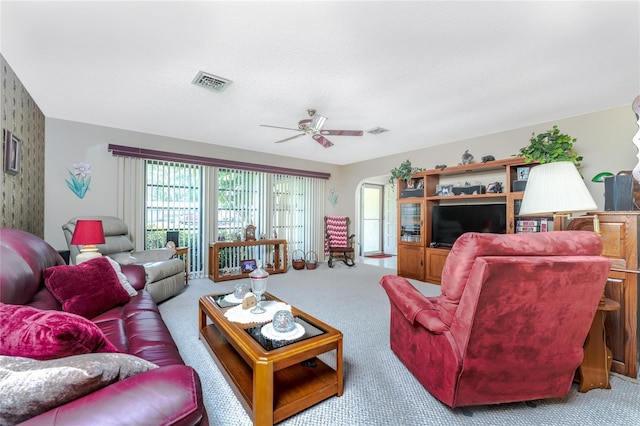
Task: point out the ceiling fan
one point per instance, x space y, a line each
313 126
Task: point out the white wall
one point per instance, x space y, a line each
68 142
604 139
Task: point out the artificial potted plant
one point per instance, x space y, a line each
403 172
549 147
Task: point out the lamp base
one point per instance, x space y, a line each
86 253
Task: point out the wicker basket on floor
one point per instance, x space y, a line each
312 260
297 260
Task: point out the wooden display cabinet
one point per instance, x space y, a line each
411 229
619 231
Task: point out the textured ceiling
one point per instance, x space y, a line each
430 72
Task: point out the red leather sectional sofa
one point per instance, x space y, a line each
168 395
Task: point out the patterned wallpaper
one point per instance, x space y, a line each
22 201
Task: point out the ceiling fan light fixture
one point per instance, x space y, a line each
318 121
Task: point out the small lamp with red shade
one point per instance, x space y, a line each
87 234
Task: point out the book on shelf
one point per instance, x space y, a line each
532 225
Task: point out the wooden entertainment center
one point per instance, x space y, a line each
417 257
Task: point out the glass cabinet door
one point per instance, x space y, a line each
411 221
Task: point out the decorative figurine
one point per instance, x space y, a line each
488 158
250 233
467 158
283 321
240 290
441 166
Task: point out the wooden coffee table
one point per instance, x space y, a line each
272 379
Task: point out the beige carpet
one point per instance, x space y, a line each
378 388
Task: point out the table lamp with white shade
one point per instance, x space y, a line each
557 189
87 234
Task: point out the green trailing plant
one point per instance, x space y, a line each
403 172
549 147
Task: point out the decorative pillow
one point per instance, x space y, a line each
87 289
41 334
124 282
31 387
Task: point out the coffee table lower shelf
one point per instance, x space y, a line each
295 387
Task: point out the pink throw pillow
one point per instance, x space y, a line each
87 289
41 334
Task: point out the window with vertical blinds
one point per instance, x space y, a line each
279 206
173 202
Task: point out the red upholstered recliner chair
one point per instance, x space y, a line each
511 320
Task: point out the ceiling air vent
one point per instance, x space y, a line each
377 130
211 82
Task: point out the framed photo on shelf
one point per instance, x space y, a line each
11 152
444 190
523 173
248 265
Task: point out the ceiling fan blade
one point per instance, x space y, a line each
322 141
342 132
278 127
292 137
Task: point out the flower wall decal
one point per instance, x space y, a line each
333 197
80 178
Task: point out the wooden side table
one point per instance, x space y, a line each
216 251
594 371
184 251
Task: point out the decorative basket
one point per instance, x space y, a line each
312 260
297 260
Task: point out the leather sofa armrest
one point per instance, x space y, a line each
413 305
154 255
136 275
168 395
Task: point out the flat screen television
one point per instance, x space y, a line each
448 222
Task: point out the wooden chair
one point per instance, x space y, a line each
338 244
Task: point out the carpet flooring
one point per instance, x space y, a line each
378 389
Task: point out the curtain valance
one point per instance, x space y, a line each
150 154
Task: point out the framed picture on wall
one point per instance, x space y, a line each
12 147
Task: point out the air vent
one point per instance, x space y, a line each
377 130
211 82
